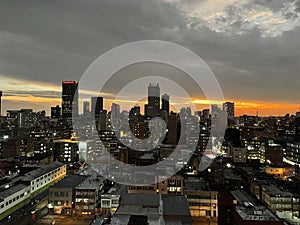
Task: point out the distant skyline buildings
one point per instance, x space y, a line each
16 101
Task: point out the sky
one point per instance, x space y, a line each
252 46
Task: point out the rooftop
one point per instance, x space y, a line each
70 181
91 183
274 190
117 189
11 190
141 199
249 208
41 170
194 184
176 206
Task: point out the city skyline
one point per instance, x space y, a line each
38 102
11 101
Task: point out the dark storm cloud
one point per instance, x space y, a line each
57 40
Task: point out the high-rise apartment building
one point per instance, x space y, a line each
69 99
97 106
229 108
0 103
165 105
152 109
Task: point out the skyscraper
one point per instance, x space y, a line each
152 109
86 108
165 105
69 99
97 106
115 115
0 103
229 108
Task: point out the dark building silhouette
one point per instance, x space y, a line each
136 110
97 106
165 103
0 103
69 99
152 109
55 112
229 108
173 129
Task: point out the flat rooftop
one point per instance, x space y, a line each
141 199
41 170
176 206
250 209
194 184
259 213
70 181
274 190
91 183
11 190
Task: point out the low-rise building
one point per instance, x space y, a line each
62 194
87 196
202 202
110 201
248 211
19 190
162 185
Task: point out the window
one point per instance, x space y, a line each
62 194
56 194
105 203
115 201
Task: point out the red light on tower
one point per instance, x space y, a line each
69 82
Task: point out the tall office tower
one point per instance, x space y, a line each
69 99
229 108
115 115
165 105
25 119
55 112
173 129
102 125
97 106
86 108
0 103
152 109
205 114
